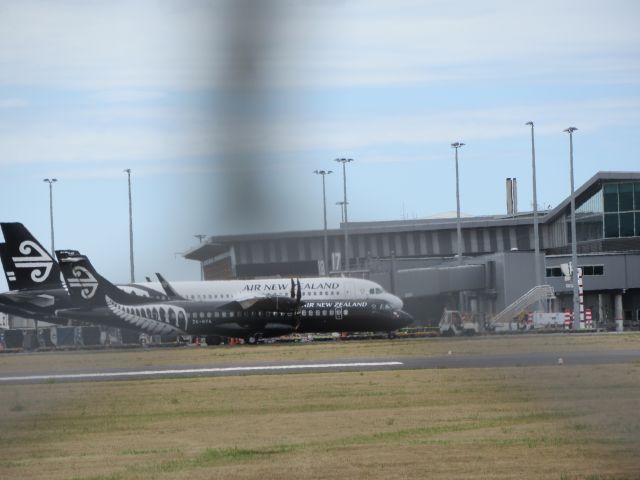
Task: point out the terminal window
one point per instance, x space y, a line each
587 270
621 209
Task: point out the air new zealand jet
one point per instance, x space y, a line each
258 310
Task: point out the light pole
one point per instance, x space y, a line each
456 146
51 181
128 172
201 237
324 173
536 238
341 210
344 162
574 244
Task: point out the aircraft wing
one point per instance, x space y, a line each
26 299
267 304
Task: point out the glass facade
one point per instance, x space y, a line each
589 219
612 212
621 209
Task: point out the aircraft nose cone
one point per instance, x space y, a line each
403 319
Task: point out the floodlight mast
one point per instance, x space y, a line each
325 252
51 181
574 245
456 146
344 162
128 172
536 236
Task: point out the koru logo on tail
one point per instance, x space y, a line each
40 263
83 280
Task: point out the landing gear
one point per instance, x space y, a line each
253 339
213 340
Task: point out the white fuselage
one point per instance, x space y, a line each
320 288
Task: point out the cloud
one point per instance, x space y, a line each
161 45
13 103
124 135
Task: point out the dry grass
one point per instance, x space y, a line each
556 422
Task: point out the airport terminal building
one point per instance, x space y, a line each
416 259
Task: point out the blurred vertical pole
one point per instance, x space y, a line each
133 279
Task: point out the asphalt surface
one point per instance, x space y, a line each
346 365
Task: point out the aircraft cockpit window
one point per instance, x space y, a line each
378 291
372 291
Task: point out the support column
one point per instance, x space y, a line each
600 311
618 312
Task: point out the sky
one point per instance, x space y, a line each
223 109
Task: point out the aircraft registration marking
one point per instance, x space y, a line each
150 373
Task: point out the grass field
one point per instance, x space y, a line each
559 422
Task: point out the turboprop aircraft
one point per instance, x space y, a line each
250 315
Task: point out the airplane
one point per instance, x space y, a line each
38 292
251 315
34 278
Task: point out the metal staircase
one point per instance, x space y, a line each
537 293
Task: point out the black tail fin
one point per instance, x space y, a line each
168 289
26 263
86 285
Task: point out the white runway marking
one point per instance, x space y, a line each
149 373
